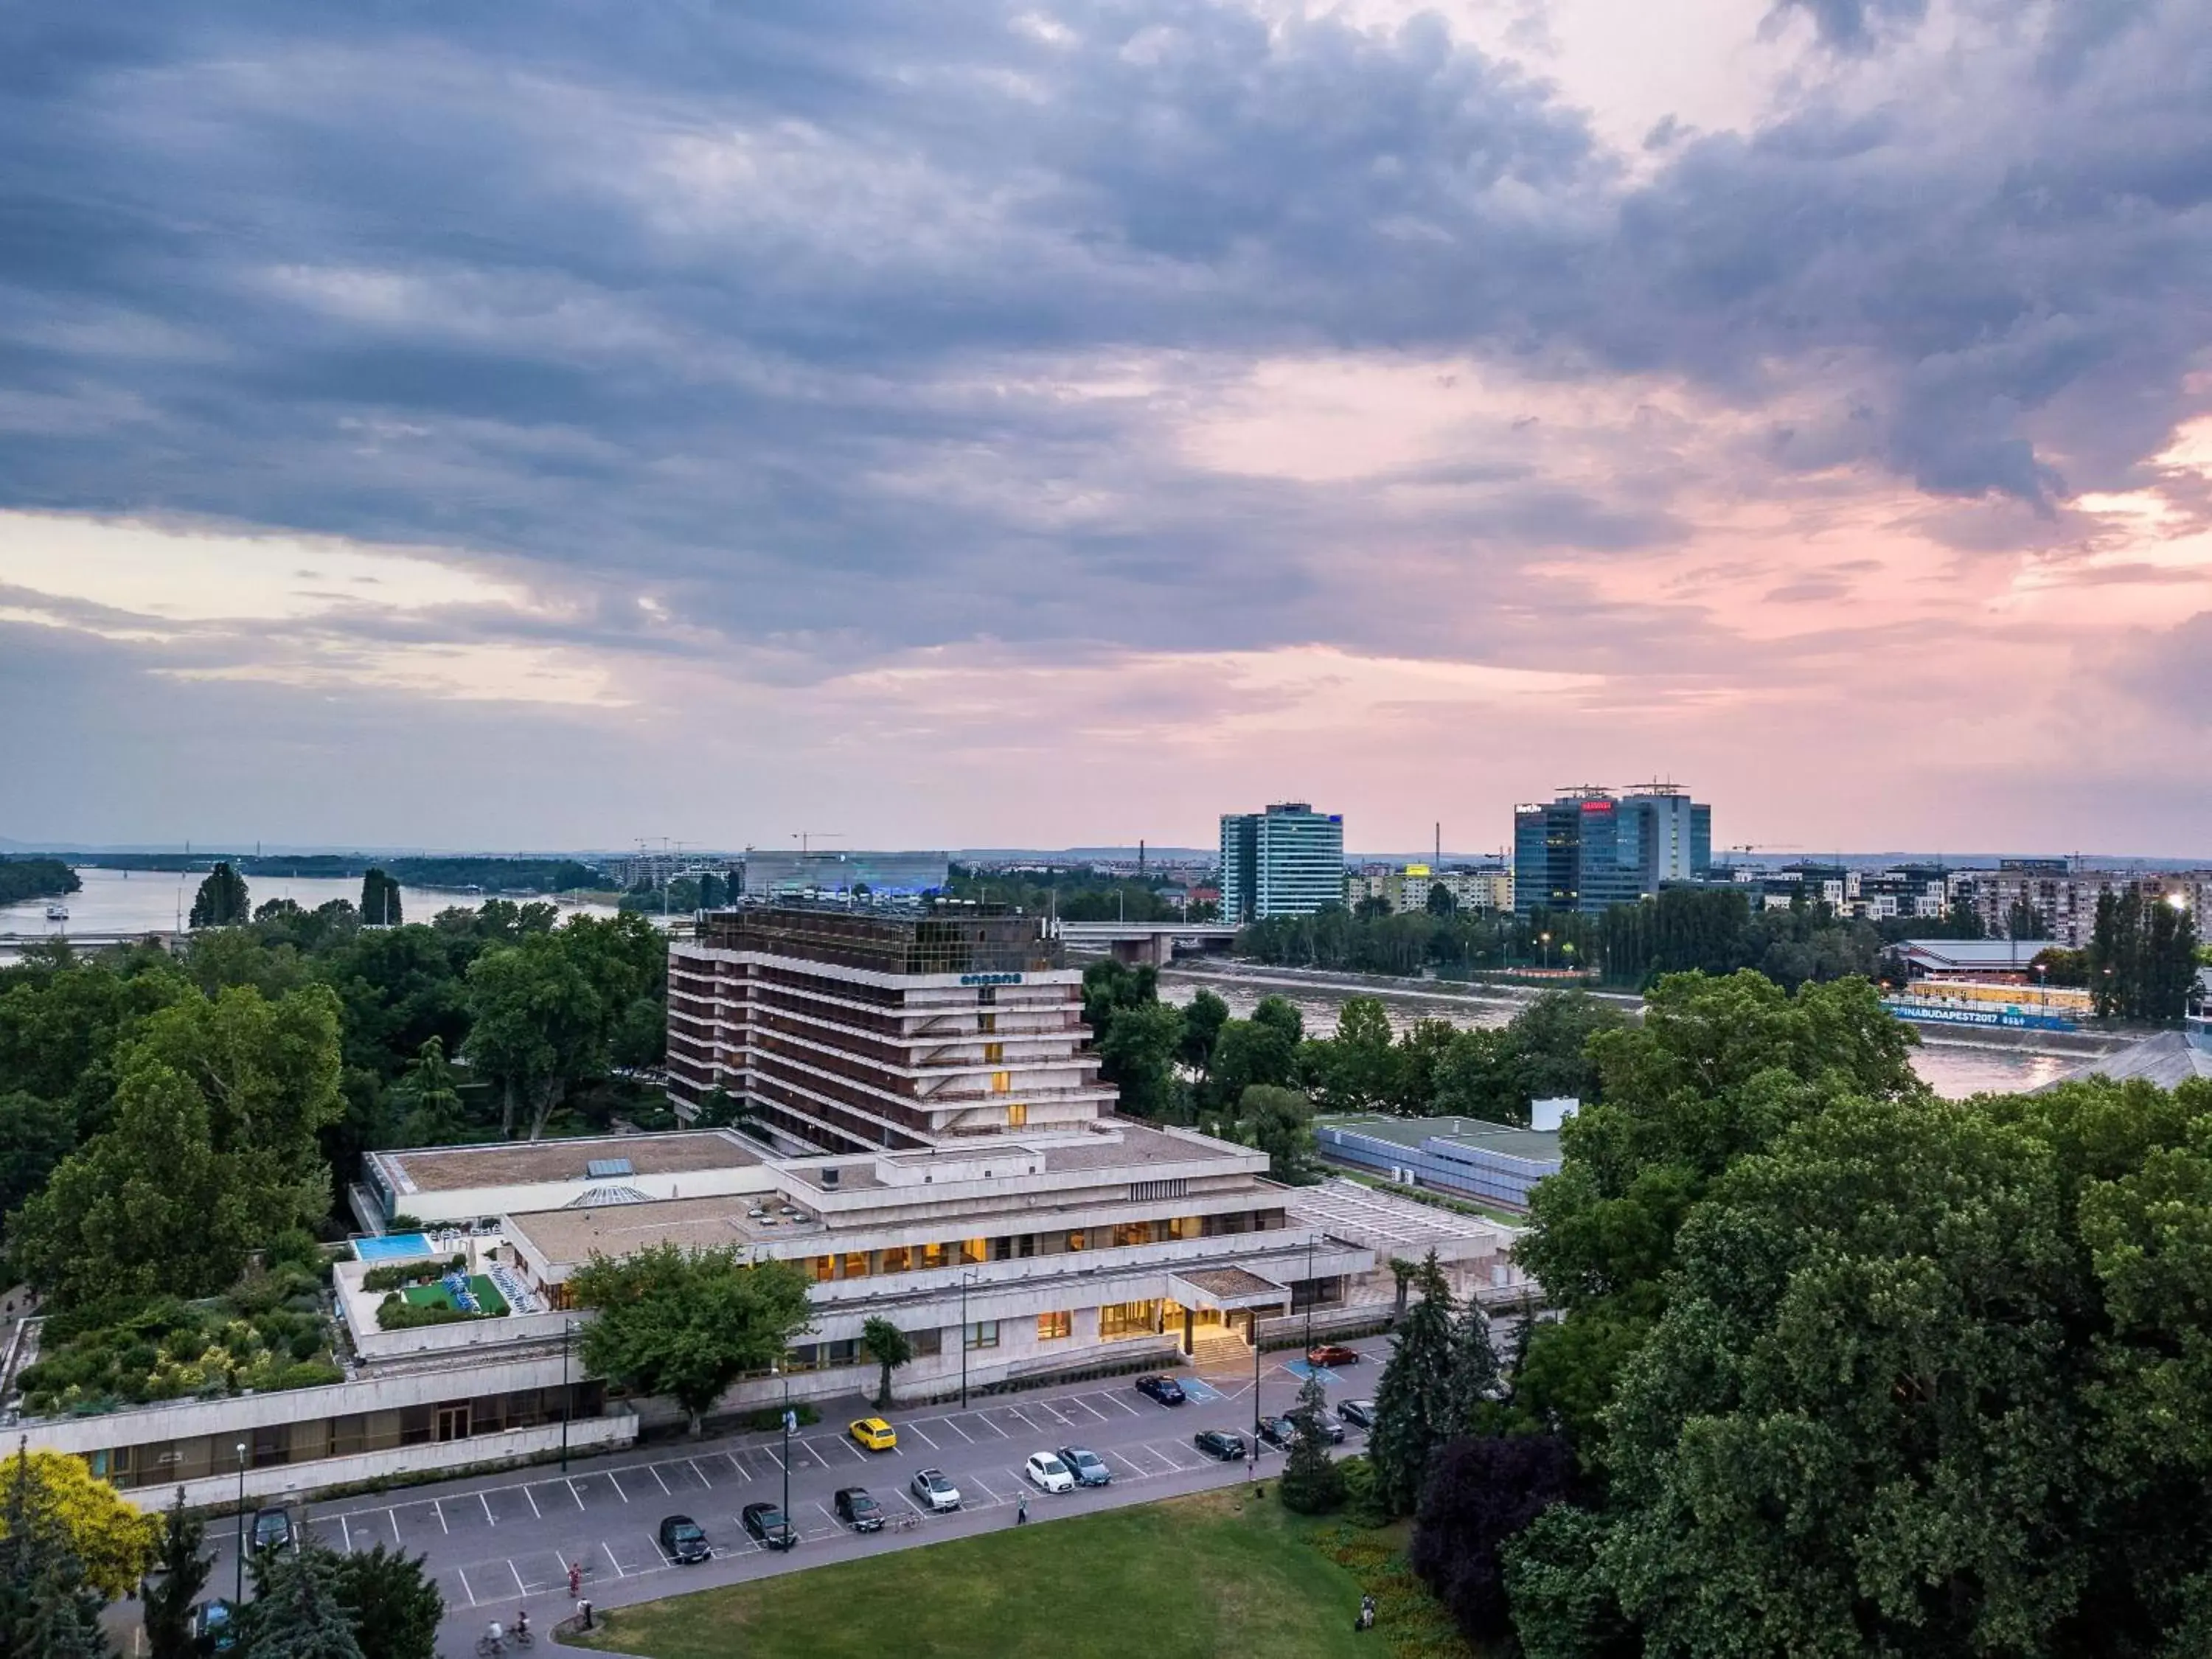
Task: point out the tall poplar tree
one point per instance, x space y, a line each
1414 1401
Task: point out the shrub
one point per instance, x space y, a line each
397 1313
770 1418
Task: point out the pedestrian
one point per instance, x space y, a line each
575 1581
1022 1511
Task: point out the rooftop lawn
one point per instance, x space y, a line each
1186 1578
435 1295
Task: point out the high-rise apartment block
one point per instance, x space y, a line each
1590 849
1286 861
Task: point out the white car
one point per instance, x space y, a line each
1047 1474
934 1489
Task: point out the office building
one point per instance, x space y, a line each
1589 849
1491 1163
806 874
1286 861
891 1166
1475 888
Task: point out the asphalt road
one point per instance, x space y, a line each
498 1542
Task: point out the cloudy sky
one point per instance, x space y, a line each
1056 422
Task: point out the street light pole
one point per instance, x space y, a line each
567 1404
1253 1314
966 1274
1310 1289
787 1454
238 1590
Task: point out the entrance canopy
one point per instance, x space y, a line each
1224 1290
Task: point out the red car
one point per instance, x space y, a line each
1332 1353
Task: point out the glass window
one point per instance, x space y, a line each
897 1258
933 1255
1075 1239
994 1054
987 1021
1053 1326
856 1264
1129 1319
1001 1081
1018 1115
984 1333
975 1250
824 1268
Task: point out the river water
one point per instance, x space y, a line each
1954 1070
139 901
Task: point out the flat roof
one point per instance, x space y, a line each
1396 1226
533 1162
1411 1133
570 1235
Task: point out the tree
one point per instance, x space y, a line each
430 1102
111 1542
1358 1066
1485 1491
1279 1123
539 1025
35 1136
1137 1055
393 1603
180 1572
380 900
1440 901
2024 920
1249 1052
891 1348
295 1612
686 1326
1474 1377
1312 1483
1718 1070
222 900
1413 1400
1203 1017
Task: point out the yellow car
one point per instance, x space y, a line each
873 1433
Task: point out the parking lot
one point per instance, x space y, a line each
496 1542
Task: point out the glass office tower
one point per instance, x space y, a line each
1286 861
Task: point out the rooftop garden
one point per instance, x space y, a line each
268 1333
416 1293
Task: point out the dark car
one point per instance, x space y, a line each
272 1529
682 1541
1360 1413
1332 1353
212 1626
765 1521
1223 1443
858 1510
1088 1467
1165 1389
1282 1431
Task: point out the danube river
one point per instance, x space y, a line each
143 901
1953 1069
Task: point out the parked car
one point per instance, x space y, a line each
1332 1353
1165 1389
765 1521
1281 1431
1088 1467
1224 1444
213 1628
873 1433
1047 1474
936 1490
858 1510
683 1540
1360 1413
272 1529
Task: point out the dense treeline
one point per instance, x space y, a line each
1839 1368
489 875
1077 893
1261 1080
26 878
1706 929
2141 959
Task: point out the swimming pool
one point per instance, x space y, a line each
391 1247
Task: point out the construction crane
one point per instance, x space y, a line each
803 836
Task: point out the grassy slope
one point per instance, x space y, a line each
1195 1578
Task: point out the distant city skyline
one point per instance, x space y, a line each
1040 425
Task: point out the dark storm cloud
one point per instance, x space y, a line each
794 315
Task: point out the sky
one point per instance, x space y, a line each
1052 423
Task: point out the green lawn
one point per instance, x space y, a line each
436 1295
1195 1577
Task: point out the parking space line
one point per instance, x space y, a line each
521 1588
773 1458
701 1472
993 1427
1115 1399
926 1440
611 1562
824 1508
572 1492
1045 1405
957 1429
911 1505
465 1590
491 1519
534 1509
655 1471
739 1466
987 1492
618 1486
1169 1459
1078 1399
1138 1471
1016 1412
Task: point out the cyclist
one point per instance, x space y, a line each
495 1640
521 1625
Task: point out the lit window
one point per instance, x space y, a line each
1018 1115
993 1052
1053 1326
1001 1081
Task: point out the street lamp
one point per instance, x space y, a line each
1546 940
967 1277
567 1402
238 1591
786 1454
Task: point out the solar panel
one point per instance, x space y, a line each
602 1169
